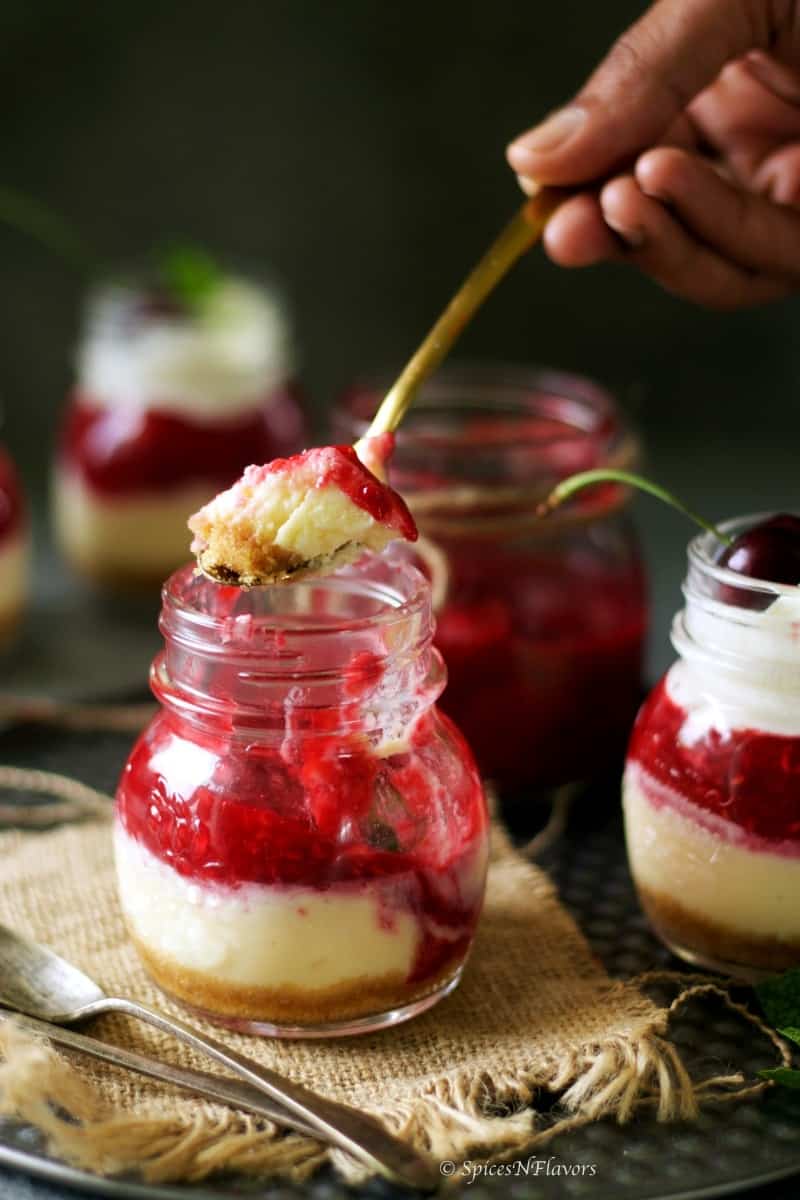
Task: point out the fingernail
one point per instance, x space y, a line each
529 186
551 134
629 234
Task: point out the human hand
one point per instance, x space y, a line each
693 119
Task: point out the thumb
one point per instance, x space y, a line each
674 51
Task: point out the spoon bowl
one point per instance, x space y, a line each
39 983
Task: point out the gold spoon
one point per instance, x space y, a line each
248 559
519 235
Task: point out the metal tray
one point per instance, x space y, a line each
729 1149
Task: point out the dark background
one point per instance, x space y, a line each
355 149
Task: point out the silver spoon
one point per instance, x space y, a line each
36 981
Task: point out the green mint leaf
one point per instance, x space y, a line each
780 999
190 274
783 1075
791 1032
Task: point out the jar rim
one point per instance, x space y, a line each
185 587
585 407
705 545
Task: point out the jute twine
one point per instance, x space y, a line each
535 1015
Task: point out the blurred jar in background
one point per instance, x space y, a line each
172 401
541 623
14 549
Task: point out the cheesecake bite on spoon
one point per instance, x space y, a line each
300 516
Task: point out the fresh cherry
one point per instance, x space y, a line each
769 550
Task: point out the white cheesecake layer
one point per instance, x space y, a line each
292 509
263 936
127 535
707 865
224 361
14 556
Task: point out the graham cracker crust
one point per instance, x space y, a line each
709 940
233 555
359 997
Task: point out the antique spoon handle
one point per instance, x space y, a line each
522 231
234 1092
353 1131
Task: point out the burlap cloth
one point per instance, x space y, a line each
536 1013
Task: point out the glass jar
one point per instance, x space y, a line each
541 623
712 780
169 407
301 836
14 550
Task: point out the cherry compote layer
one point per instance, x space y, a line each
119 451
746 776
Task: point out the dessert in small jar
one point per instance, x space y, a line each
712 781
301 836
14 550
174 398
541 624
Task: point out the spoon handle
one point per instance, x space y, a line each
522 231
355 1132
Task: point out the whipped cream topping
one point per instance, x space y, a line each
221 362
740 668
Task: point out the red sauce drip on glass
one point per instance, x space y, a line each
118 451
383 504
12 505
746 776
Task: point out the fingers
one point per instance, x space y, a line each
625 224
662 248
777 77
653 71
778 175
577 235
743 227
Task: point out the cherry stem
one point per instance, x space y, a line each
575 483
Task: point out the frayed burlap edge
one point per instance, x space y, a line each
456 1118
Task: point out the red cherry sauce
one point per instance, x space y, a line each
544 659
320 811
118 451
340 466
12 505
748 778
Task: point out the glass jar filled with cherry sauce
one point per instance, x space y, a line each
301 835
712 780
541 623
